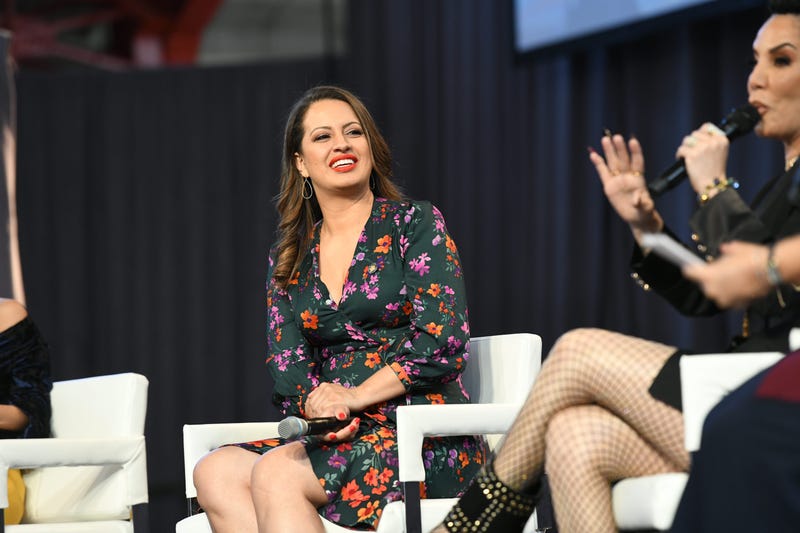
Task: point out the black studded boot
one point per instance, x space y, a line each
490 506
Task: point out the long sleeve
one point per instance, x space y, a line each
434 351
725 218
290 358
25 365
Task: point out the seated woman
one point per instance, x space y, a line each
751 439
367 311
606 406
25 386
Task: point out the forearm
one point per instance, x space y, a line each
379 387
12 418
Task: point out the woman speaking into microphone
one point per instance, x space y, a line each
606 406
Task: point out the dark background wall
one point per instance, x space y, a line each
145 197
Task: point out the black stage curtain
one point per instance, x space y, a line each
145 198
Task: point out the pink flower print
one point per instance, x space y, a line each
436 240
349 288
371 292
419 264
403 245
359 256
337 461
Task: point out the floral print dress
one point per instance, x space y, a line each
403 306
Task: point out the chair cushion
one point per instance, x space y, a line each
648 502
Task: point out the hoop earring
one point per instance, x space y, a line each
372 182
308 189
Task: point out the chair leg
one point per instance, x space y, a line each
140 517
413 513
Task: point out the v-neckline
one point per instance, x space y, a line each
317 270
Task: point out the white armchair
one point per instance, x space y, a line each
650 502
93 471
500 372
499 377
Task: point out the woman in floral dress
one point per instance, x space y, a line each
367 311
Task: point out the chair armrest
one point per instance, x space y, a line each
125 452
707 378
415 422
199 439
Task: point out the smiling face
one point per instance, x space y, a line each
774 83
334 151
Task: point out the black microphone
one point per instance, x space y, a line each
292 427
735 124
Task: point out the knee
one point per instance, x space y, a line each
11 313
212 476
566 441
573 347
270 473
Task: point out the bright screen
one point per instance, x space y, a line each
544 23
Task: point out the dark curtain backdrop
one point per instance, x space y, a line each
145 198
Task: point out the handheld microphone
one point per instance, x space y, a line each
292 427
738 122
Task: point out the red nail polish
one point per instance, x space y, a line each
331 436
340 416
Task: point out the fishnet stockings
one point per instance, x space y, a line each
607 374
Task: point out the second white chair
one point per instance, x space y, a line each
498 377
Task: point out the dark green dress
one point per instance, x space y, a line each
403 306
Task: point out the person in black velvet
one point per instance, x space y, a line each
25 385
606 406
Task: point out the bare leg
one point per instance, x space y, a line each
592 366
222 479
588 448
282 481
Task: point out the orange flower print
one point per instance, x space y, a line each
367 511
373 359
385 476
435 399
309 320
385 432
294 279
432 328
371 477
434 290
352 492
278 334
380 489
451 245
383 244
407 308
401 373
464 458
370 437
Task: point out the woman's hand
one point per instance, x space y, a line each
332 399
736 278
622 175
705 153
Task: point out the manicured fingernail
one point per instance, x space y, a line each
607 132
331 436
590 150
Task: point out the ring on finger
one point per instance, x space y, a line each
689 140
712 129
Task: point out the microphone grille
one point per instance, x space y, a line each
290 427
740 121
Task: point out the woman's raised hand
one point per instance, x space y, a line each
705 153
622 173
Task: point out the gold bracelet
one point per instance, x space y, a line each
718 185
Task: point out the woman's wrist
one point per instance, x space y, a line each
773 273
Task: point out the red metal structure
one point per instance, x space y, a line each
140 32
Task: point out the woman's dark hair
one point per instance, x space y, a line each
297 214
